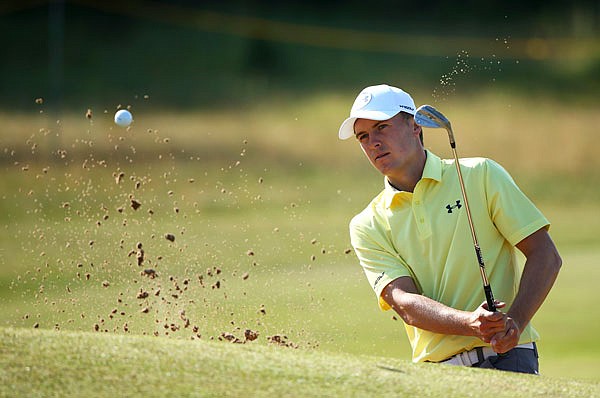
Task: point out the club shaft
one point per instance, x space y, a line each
486 284
430 117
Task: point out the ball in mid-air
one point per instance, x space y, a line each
123 118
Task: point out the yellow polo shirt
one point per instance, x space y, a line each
425 235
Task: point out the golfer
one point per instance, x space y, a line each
414 244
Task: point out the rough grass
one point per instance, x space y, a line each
45 363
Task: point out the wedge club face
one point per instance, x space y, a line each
428 116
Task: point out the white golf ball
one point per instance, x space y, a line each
123 118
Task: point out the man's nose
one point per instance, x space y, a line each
374 141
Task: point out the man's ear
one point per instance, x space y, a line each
418 130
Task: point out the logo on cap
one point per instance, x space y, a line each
363 99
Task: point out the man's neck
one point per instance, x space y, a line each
407 181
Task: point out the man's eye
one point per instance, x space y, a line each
381 126
362 137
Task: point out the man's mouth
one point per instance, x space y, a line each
381 155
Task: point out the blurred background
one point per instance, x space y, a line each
234 152
191 54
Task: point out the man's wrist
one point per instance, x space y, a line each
518 322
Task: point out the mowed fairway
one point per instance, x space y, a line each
258 202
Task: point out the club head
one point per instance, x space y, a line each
428 116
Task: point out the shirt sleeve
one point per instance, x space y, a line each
511 211
378 258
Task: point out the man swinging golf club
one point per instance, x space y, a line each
415 241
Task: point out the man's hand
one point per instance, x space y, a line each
508 339
486 324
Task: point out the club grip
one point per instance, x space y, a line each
489 297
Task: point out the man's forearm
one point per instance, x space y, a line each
539 274
540 271
427 314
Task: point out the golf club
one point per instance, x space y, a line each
428 116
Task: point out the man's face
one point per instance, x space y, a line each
391 145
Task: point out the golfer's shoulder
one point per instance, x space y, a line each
475 162
481 165
486 171
368 217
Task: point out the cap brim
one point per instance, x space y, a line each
347 128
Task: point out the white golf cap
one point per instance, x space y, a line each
380 102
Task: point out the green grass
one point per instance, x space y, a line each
265 192
43 363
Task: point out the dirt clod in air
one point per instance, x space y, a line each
89 114
119 177
140 257
281 341
142 294
150 273
139 254
229 337
170 237
250 335
135 204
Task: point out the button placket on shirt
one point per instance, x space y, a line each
423 222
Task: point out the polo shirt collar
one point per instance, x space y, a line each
431 171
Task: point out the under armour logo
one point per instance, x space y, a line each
456 206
